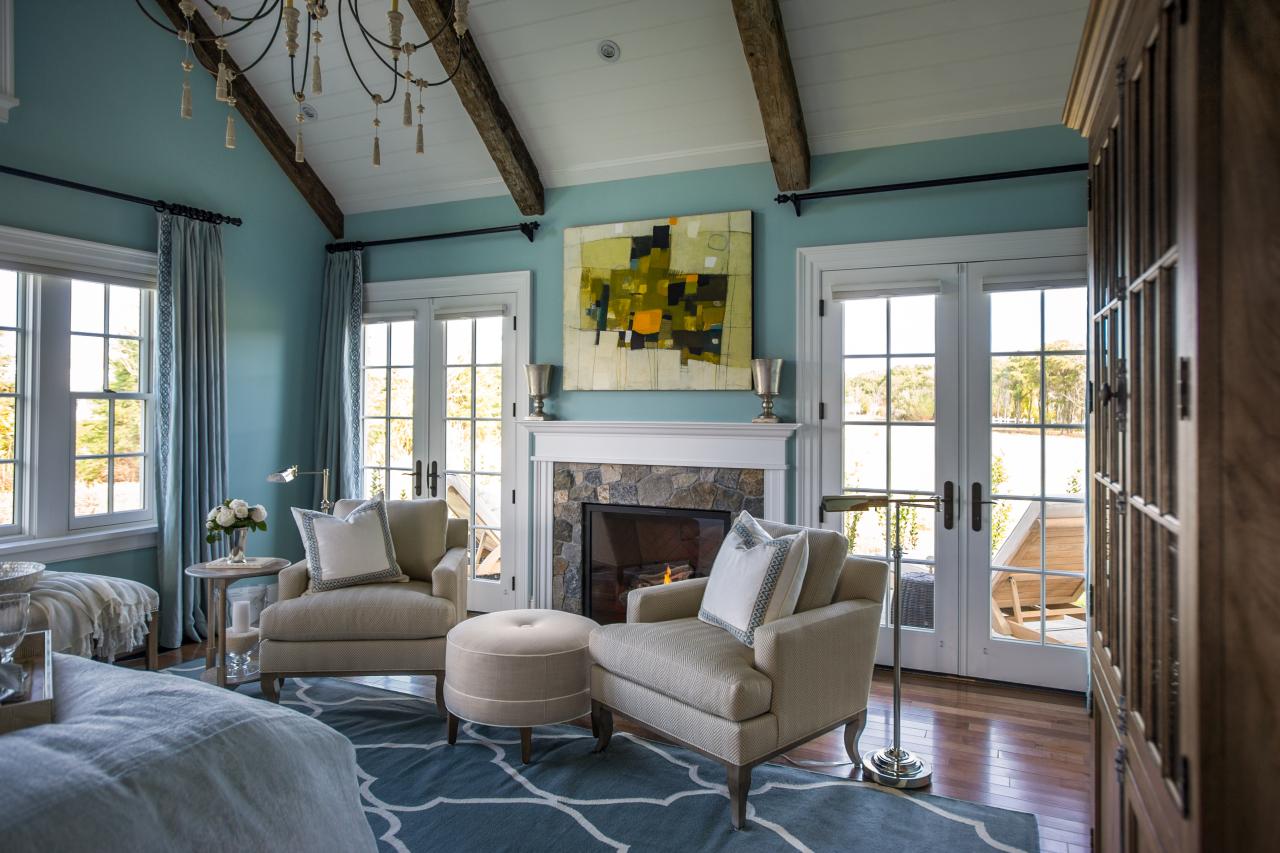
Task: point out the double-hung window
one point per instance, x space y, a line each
76 408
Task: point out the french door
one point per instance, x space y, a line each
438 403
967 379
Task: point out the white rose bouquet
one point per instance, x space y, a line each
232 515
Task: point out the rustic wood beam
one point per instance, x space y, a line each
764 41
480 97
260 120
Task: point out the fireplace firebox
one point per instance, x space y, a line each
629 547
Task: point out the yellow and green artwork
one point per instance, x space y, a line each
659 304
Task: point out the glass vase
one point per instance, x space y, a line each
239 540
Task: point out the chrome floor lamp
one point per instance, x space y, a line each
892 765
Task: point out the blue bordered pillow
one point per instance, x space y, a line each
348 551
755 579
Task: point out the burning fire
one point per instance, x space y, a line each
666 578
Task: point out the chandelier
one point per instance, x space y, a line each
284 14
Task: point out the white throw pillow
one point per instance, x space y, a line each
755 579
348 551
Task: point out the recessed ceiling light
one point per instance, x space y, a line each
609 50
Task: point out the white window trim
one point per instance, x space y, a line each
8 96
812 264
51 254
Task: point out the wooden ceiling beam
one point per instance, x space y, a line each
258 116
480 97
764 41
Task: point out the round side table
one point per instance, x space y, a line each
217 576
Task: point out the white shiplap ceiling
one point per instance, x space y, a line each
870 72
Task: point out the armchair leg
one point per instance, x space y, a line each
270 687
739 784
601 725
852 732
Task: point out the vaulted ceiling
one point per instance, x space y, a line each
869 72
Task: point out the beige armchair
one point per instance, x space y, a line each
380 628
808 673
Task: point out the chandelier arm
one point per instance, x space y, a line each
267 48
342 32
174 32
262 13
444 26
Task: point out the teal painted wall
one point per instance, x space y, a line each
117 126
1048 202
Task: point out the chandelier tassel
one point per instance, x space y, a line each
316 87
231 131
220 87
185 109
418 146
408 110
297 141
377 122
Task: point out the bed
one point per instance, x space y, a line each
142 761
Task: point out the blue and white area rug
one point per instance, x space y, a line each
422 794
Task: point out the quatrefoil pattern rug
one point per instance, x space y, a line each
421 794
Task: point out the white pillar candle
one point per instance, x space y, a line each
241 642
240 616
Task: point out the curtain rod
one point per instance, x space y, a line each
526 228
796 198
155 204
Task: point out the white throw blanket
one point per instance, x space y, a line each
92 614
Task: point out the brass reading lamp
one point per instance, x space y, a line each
894 766
288 475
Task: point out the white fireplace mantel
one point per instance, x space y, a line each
683 443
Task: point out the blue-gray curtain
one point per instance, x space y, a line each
338 374
191 417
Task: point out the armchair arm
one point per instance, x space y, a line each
678 600
449 580
820 663
293 581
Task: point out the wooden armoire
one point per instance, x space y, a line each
1180 102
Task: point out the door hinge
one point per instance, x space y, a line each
822 307
1184 11
822 514
1088 396
515 322
822 411
1184 388
1119 761
513 583
1090 602
1184 785
1088 199
513 495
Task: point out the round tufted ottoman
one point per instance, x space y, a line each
518 668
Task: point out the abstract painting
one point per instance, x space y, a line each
659 304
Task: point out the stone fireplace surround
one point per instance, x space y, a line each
691 464
677 487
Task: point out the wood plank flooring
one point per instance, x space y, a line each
1012 747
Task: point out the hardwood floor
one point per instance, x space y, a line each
1014 747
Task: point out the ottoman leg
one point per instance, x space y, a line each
453 730
440 692
602 725
526 744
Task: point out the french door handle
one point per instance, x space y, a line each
976 504
416 474
948 505
433 478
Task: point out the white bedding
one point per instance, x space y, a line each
142 761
